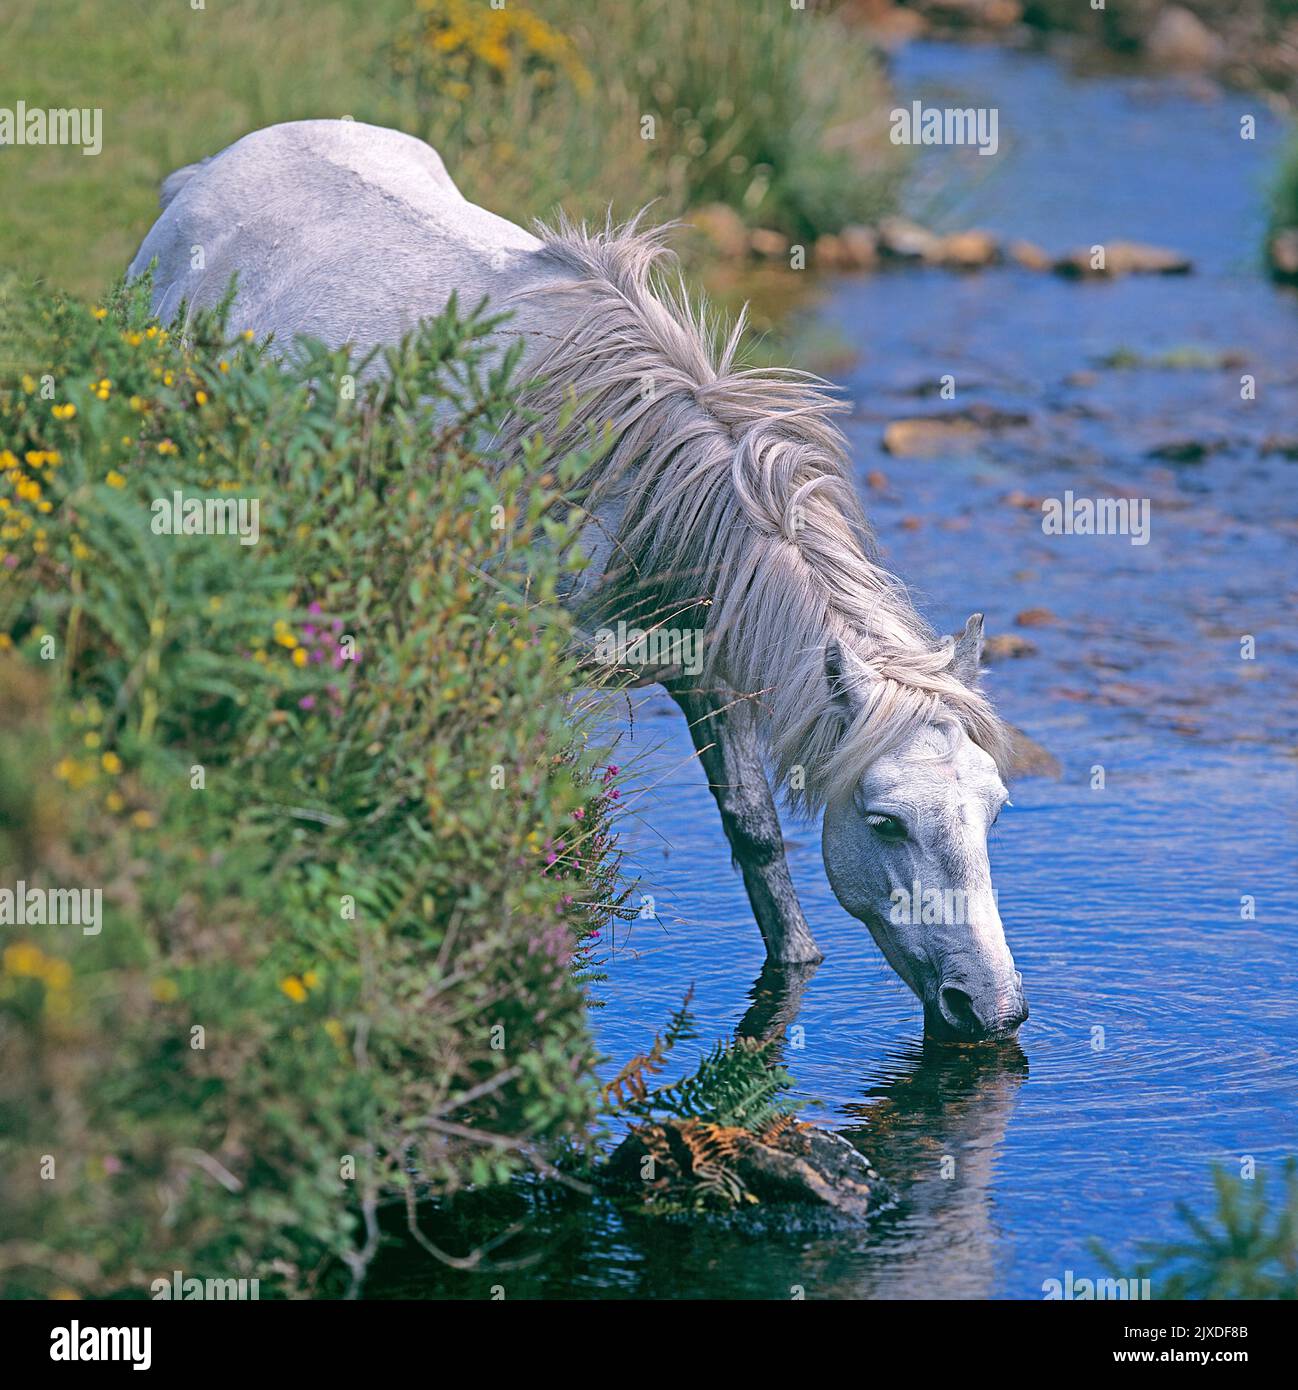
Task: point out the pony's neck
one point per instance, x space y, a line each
736 508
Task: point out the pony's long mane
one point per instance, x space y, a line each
735 498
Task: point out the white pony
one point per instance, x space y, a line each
725 505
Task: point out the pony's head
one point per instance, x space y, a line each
905 848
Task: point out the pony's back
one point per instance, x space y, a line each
344 231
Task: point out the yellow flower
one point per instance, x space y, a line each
310 979
201 397
167 447
57 974
29 385
114 479
114 802
111 764
91 740
299 656
99 313
75 774
143 820
24 959
65 412
6 642
293 987
164 991
336 1031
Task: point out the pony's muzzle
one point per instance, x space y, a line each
966 1015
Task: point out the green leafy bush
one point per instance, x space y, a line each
1246 1249
1284 193
354 855
775 112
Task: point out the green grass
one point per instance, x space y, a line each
175 84
778 113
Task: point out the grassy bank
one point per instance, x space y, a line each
348 854
775 112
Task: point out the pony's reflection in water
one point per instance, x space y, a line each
932 1120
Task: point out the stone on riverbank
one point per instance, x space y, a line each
854 248
724 228
969 250
903 240
1282 254
769 244
1029 255
1123 258
1181 41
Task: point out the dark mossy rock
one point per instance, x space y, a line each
690 1163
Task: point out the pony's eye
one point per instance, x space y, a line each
886 827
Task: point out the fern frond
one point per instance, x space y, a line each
629 1088
736 1085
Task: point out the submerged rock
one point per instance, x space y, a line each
1185 450
1003 645
1028 758
690 1163
935 434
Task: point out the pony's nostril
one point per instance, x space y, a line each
959 1009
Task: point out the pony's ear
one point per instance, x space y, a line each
968 657
845 699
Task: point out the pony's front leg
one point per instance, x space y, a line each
723 730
